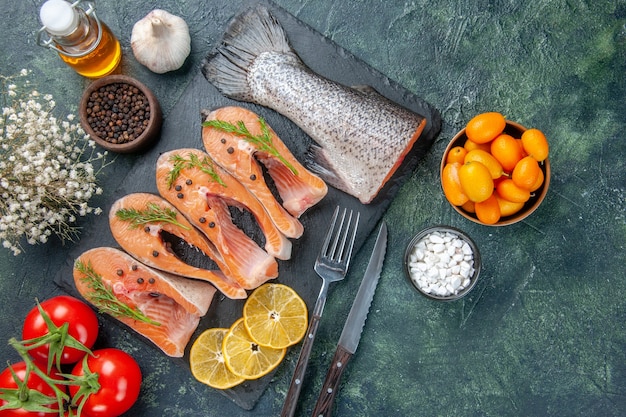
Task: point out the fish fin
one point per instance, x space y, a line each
248 35
319 164
366 89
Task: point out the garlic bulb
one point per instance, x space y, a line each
161 41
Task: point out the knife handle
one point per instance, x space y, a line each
324 404
291 400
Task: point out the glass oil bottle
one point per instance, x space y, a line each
82 41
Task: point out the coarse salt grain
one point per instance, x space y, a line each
441 263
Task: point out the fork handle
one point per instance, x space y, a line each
325 401
291 400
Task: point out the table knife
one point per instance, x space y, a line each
352 329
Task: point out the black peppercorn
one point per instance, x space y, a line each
118 112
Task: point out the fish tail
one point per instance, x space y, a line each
248 35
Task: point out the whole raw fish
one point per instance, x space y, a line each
362 136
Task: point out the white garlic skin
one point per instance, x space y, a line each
161 41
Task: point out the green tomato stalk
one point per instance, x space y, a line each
57 339
29 399
32 400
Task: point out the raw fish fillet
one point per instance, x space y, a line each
145 242
297 187
171 305
192 182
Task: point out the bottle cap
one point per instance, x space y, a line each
59 17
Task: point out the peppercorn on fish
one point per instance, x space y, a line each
240 141
164 308
203 192
361 137
139 223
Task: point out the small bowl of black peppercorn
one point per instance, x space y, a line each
121 114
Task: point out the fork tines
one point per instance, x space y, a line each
335 247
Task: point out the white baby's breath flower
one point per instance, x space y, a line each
47 173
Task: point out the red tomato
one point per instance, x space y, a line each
35 383
119 378
82 321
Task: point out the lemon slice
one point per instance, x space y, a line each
275 316
207 361
246 358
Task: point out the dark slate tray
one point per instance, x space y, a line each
182 129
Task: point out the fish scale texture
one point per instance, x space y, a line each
362 137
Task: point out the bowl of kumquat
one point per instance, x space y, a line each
495 172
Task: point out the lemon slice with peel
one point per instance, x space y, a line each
207 361
275 316
246 358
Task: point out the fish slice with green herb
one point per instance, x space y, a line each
152 213
241 141
193 189
154 232
164 308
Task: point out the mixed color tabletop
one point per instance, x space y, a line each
543 332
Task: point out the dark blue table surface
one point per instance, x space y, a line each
543 333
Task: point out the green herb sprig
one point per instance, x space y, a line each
153 213
262 142
103 298
205 165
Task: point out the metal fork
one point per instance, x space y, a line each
331 265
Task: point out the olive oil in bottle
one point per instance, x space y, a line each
82 41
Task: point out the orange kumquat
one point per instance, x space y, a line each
507 151
526 172
488 211
456 154
511 192
485 127
452 185
488 160
535 144
476 181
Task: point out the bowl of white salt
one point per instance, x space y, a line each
442 263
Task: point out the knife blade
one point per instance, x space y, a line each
352 329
